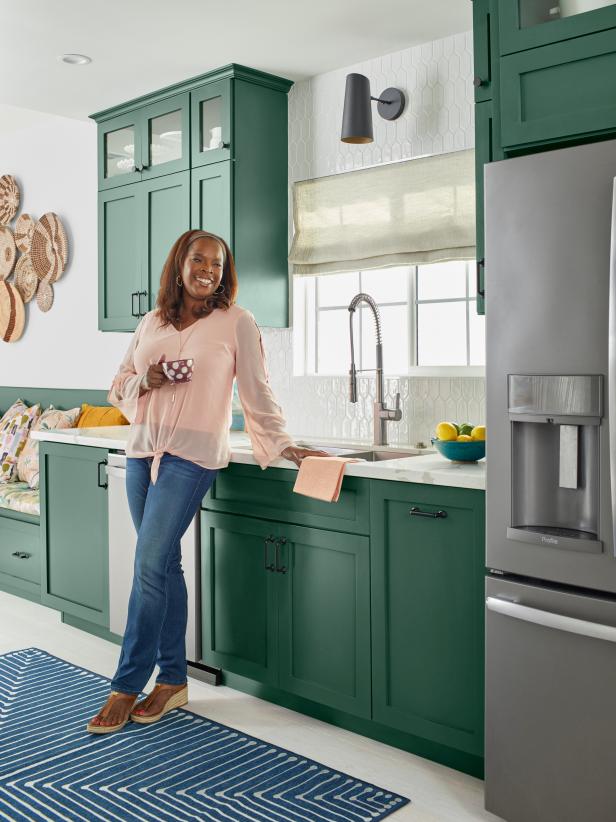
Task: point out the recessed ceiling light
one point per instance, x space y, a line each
75 59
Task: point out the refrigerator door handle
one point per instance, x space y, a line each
611 369
571 625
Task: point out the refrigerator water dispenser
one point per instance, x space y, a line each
554 422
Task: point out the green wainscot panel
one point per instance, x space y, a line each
239 627
74 530
427 612
324 617
560 92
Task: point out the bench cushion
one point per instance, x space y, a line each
18 496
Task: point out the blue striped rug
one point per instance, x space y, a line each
185 767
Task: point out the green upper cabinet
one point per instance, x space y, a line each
226 130
211 137
485 49
427 569
561 92
74 530
144 143
526 24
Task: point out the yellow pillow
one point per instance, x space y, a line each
93 416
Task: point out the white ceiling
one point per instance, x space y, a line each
139 46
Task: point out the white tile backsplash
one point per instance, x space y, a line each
436 78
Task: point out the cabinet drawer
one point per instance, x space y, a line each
560 91
246 489
20 554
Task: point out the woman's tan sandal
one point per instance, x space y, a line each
176 700
107 729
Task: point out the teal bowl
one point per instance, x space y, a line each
461 451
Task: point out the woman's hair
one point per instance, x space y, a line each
169 299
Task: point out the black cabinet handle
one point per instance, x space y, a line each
145 294
104 485
478 82
21 554
133 312
480 264
282 569
269 566
417 512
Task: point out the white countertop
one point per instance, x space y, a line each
428 468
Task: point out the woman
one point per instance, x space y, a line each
178 441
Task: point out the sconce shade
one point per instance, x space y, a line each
357 114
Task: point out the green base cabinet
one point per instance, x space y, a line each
427 566
272 593
74 531
209 153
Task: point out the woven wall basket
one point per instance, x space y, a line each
49 249
26 279
44 295
24 228
9 198
12 313
8 252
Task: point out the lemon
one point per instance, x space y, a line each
479 432
464 438
446 431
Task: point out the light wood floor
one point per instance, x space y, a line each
438 794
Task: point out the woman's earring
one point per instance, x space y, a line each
178 280
220 289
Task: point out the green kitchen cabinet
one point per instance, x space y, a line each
487 149
137 226
559 93
528 24
427 567
227 131
144 143
74 530
288 606
485 49
211 118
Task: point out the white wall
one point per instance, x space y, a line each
54 161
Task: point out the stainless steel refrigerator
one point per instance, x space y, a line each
551 486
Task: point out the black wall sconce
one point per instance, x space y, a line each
357 114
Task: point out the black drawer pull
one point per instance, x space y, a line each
282 569
104 484
269 566
21 554
133 312
417 512
144 294
480 264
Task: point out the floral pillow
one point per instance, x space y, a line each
14 429
28 463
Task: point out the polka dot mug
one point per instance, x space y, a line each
178 371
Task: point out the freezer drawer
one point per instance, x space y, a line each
550 704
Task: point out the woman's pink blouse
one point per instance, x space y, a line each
195 425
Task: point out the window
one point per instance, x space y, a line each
429 321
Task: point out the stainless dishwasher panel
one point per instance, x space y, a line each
122 543
550 695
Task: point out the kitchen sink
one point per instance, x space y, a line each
374 455
369 454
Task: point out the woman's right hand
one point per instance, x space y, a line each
156 376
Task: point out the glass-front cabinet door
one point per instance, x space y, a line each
211 123
165 136
119 151
525 24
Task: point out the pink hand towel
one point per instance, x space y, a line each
321 477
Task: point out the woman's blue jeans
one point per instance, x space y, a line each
158 606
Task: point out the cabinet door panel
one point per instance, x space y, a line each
239 623
559 92
75 575
119 258
166 212
324 618
165 136
485 49
427 613
211 200
211 119
119 151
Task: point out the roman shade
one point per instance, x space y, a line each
406 213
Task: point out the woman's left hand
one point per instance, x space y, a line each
296 454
